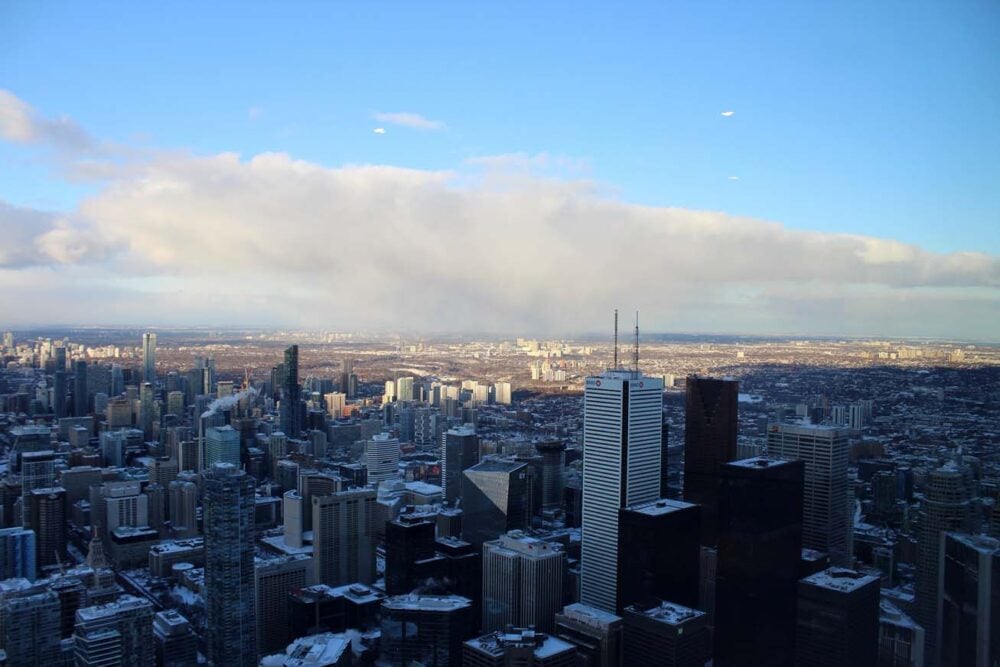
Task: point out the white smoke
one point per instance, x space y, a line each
227 402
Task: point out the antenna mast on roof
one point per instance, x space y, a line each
635 349
615 366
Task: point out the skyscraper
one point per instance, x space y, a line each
523 647
425 629
222 445
460 450
17 553
291 416
117 633
59 384
900 638
30 627
760 545
409 542
344 537
838 611
553 454
382 457
46 513
274 580
174 639
970 600
81 399
149 357
494 494
826 519
945 507
596 634
522 582
666 634
229 566
621 466
710 429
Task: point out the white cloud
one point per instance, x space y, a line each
727 114
407 119
22 124
379 130
733 178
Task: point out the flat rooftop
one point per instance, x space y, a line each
660 507
840 579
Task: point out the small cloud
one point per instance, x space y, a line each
21 124
379 130
727 114
733 178
407 119
254 113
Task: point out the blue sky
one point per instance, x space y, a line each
875 119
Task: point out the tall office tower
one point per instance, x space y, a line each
382 457
274 580
425 629
389 395
81 400
494 494
59 384
659 553
459 451
175 641
667 634
291 416
524 647
149 357
900 638
344 537
760 545
29 627
335 402
622 413
156 503
222 445
409 543
17 553
826 519
501 392
553 455
522 582
970 600
72 595
124 505
229 566
38 471
596 634
710 429
404 389
117 380
175 403
46 513
183 499
945 508
147 409
838 612
117 633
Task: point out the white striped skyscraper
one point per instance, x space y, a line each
622 433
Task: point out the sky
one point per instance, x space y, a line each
759 168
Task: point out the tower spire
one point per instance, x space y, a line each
635 349
615 365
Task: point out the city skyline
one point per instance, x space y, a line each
725 183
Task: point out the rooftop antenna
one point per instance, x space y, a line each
615 367
635 349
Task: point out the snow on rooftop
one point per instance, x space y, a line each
840 579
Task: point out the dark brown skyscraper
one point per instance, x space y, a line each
710 428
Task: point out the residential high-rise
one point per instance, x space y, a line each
382 457
522 582
826 517
335 402
459 451
81 398
710 429
404 389
149 357
760 545
175 641
229 566
29 627
523 647
838 611
667 635
274 580
291 416
17 553
970 600
222 445
425 629
38 471
596 634
621 467
117 633
659 553
344 537
494 495
147 409
946 507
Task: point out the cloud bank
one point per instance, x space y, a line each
270 240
